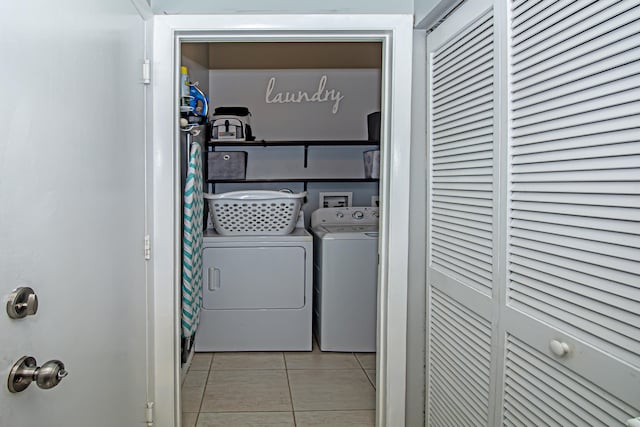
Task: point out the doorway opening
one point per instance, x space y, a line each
393 33
293 338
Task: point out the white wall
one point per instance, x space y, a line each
281 6
417 239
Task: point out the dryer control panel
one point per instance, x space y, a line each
361 215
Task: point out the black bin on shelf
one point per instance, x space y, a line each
226 165
373 126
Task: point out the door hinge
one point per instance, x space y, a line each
149 414
147 247
146 72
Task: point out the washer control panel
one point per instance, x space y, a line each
363 215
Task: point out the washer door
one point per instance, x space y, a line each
240 278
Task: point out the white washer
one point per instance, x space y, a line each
257 293
345 278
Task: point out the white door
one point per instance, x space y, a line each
462 218
571 314
72 215
534 227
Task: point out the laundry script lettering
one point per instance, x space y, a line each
320 95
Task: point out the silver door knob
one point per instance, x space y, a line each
26 370
22 302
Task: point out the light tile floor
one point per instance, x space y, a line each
304 389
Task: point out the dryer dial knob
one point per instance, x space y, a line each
358 215
339 214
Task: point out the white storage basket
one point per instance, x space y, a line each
254 212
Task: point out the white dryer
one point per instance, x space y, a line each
257 293
345 278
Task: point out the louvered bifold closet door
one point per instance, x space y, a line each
461 217
572 311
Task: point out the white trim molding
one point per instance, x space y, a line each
395 34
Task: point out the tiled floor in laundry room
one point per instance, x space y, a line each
300 389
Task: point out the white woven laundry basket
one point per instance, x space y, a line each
254 212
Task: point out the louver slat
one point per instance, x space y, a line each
608 213
540 155
608 230
574 238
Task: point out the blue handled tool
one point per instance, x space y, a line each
199 102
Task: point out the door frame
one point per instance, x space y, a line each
395 32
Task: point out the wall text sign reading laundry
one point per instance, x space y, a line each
320 95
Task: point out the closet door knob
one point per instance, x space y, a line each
559 348
633 422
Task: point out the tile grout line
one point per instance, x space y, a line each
361 365
365 371
286 370
204 390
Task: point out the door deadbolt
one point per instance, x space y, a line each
22 302
25 371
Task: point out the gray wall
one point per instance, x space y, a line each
427 12
421 8
281 122
281 6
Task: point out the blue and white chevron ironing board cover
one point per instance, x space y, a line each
192 243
